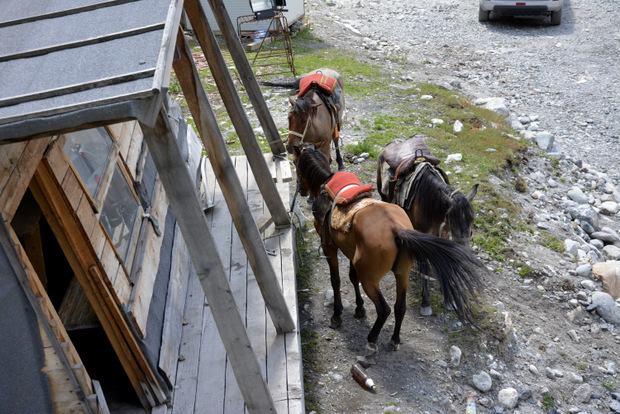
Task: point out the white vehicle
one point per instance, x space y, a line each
525 8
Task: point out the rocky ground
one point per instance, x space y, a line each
559 87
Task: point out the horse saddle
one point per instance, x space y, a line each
402 157
318 81
344 187
400 163
328 90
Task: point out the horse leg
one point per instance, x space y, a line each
360 312
341 166
373 291
334 274
425 308
400 307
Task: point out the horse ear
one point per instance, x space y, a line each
472 193
296 150
291 100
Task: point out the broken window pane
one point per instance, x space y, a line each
119 214
89 150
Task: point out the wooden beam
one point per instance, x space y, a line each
233 104
193 224
247 76
234 195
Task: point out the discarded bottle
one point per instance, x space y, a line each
362 378
471 405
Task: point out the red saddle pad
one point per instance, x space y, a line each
343 179
322 82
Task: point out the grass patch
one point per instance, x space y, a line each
548 402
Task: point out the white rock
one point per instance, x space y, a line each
483 381
455 356
609 208
609 273
458 126
497 105
612 252
606 307
508 397
454 158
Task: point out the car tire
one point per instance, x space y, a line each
483 15
556 17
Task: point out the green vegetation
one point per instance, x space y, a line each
548 402
609 384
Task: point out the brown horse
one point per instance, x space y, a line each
315 116
432 204
381 238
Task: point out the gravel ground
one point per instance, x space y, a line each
567 75
565 80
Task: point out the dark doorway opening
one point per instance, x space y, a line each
75 311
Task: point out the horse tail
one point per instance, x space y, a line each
456 269
286 85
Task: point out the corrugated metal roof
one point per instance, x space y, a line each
68 63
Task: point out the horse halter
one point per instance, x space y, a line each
302 136
445 221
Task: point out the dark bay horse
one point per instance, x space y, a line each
315 116
380 238
409 175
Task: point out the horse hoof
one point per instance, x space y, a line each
371 350
393 346
449 306
360 313
335 323
426 311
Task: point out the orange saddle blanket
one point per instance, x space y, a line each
346 187
324 83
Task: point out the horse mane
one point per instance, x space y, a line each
303 104
430 183
313 166
462 210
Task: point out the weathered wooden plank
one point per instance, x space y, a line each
145 276
18 179
57 160
72 188
276 352
184 397
238 273
101 401
191 339
175 306
9 155
98 239
110 262
135 149
213 361
121 132
85 212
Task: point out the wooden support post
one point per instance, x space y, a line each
193 224
226 175
247 76
231 99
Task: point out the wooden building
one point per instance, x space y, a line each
136 274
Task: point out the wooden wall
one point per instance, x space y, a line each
117 287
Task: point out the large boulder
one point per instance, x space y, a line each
608 273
